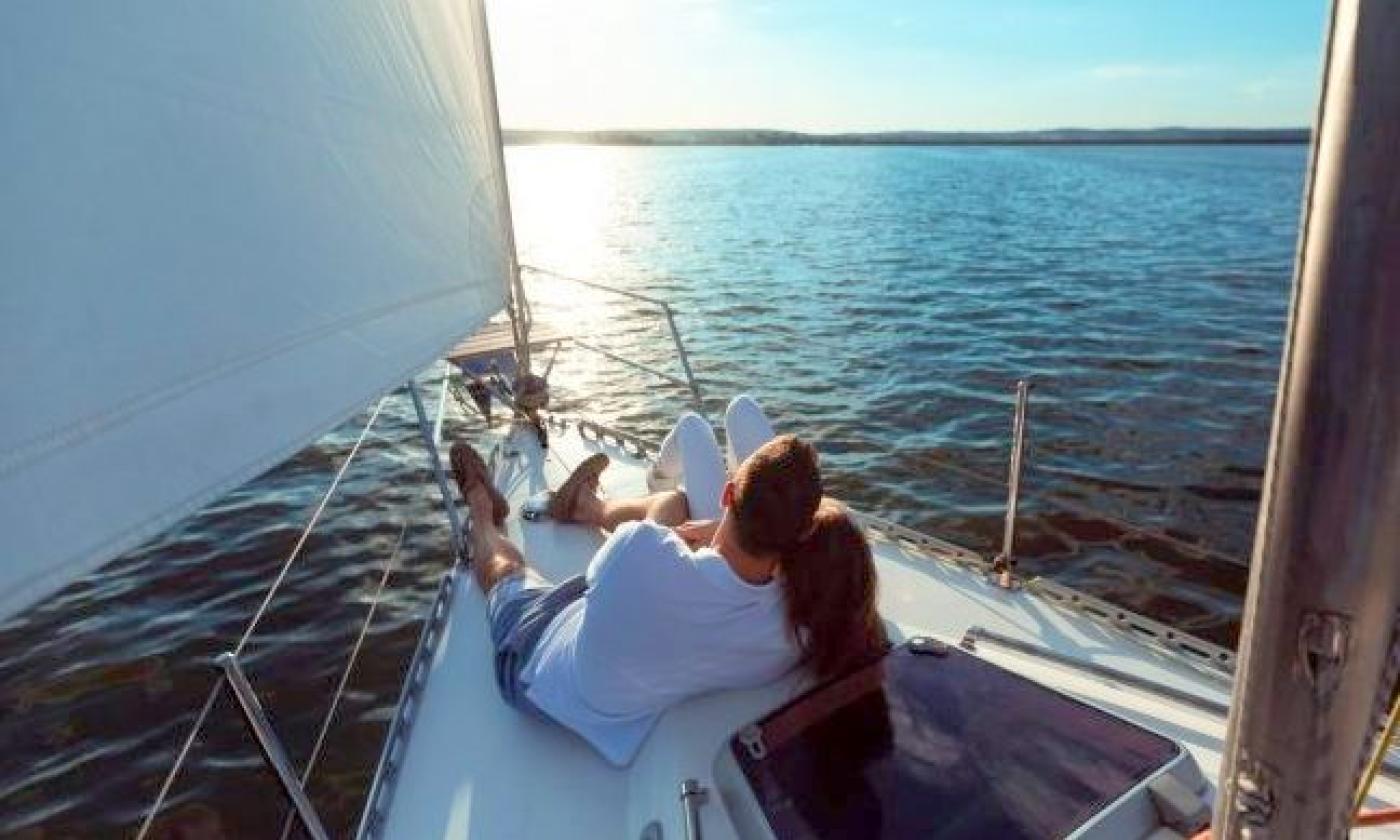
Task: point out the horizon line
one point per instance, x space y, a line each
1166 136
831 132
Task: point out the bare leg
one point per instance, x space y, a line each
493 555
669 508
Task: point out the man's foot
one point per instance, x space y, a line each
471 472
589 509
564 504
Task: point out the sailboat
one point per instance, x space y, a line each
243 224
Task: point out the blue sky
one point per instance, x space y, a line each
823 65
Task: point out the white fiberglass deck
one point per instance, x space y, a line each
474 768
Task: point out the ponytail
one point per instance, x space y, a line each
829 588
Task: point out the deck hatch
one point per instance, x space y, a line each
941 746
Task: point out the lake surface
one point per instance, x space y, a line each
879 300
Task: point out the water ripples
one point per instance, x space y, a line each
880 301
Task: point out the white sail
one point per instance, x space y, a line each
224 228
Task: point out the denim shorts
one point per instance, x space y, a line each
520 608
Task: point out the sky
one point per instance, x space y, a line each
824 65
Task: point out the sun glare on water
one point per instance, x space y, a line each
570 205
562 200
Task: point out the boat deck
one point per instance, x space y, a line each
474 768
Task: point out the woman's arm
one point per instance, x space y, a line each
697 533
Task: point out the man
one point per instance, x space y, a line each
653 621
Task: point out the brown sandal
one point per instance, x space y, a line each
470 470
563 503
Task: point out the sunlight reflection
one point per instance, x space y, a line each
570 204
563 199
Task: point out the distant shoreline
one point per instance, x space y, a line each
1050 137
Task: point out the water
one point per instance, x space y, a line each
878 300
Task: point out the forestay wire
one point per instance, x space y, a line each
203 716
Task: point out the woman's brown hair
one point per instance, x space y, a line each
827 571
829 586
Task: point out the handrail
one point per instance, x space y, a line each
666 310
628 362
976 634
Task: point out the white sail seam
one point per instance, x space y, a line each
35 449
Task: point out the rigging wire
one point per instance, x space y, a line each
1070 506
389 566
180 758
214 690
306 532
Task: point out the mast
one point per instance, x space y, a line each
518 305
1318 656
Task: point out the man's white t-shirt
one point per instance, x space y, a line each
658 624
